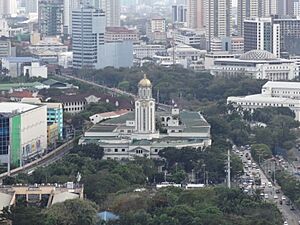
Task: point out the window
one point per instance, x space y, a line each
123 149
116 150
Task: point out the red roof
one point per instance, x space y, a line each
21 94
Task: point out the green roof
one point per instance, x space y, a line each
8 86
121 119
51 82
102 128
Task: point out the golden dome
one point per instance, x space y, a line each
145 82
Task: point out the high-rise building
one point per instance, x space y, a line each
290 34
69 6
195 14
112 9
262 34
179 13
217 19
8 7
285 7
31 6
88 28
250 9
50 17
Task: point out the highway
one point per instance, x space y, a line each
45 160
271 192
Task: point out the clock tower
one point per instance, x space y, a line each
145 108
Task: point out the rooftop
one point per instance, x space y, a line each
258 55
21 59
10 107
261 98
8 86
281 84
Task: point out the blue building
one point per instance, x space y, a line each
55 115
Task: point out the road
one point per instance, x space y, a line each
269 189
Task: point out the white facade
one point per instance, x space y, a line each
18 66
282 89
35 70
195 14
252 102
188 37
34 131
88 28
257 64
5 48
148 51
211 57
4 28
158 25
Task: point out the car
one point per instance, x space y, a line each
277 191
292 207
283 198
269 184
285 223
266 196
280 202
275 196
287 203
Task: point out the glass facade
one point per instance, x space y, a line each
4 134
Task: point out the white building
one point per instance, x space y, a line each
273 94
282 89
29 137
211 57
189 37
121 34
27 66
195 14
4 28
135 133
257 64
88 28
148 51
5 47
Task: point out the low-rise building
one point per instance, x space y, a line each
23 132
142 51
121 34
273 94
258 64
5 47
24 66
211 57
52 134
48 44
189 37
44 195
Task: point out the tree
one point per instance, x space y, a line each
22 215
260 152
72 212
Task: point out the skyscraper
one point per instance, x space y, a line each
262 34
285 7
88 28
195 14
31 6
112 9
217 19
50 17
8 7
69 6
179 13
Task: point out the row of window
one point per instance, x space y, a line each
138 151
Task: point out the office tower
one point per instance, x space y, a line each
112 9
179 13
88 28
290 34
195 14
285 7
31 6
50 17
217 19
8 7
69 6
262 34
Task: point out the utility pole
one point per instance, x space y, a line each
228 169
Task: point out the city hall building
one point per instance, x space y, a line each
145 131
